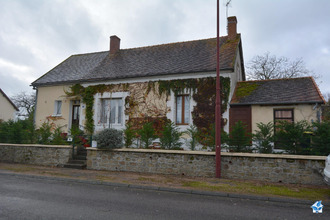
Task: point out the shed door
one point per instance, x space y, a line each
240 113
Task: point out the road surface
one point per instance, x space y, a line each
23 197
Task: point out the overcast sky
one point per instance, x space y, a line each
37 35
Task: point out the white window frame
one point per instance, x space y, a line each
171 103
118 111
58 108
98 106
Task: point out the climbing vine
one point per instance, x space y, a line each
203 91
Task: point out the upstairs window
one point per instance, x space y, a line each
182 110
58 108
111 111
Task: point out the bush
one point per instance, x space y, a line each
293 137
170 138
321 139
207 138
147 134
129 135
57 137
193 134
110 139
239 139
44 133
19 132
264 137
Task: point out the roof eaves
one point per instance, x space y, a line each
318 90
277 103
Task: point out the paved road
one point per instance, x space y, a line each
29 198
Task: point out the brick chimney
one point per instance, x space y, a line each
114 44
232 27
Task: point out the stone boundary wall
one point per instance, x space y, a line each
49 155
265 167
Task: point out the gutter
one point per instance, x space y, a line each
276 103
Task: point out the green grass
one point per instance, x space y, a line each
19 169
293 191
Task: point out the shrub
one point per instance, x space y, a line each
193 134
129 135
44 133
264 137
19 132
239 139
170 138
57 137
147 134
207 138
321 138
110 139
293 137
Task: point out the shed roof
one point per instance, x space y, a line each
277 91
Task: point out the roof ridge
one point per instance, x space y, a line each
80 54
173 43
263 80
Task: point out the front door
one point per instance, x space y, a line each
75 116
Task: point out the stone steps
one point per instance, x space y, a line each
78 161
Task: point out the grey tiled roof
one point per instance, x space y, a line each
165 59
278 91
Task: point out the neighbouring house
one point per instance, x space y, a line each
158 83
8 110
265 101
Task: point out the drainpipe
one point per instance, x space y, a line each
35 106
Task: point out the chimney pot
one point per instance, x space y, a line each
232 27
114 44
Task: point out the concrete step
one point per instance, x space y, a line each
77 161
82 153
75 166
79 157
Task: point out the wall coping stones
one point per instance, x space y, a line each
255 155
36 145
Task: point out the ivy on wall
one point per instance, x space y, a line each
203 91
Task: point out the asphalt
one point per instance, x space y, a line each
91 177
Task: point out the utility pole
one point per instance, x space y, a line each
218 106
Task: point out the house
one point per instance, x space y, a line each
8 109
265 101
109 89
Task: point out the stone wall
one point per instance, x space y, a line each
49 155
265 167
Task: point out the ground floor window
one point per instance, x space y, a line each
282 115
111 111
182 109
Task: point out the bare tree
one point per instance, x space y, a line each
25 102
267 66
326 96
